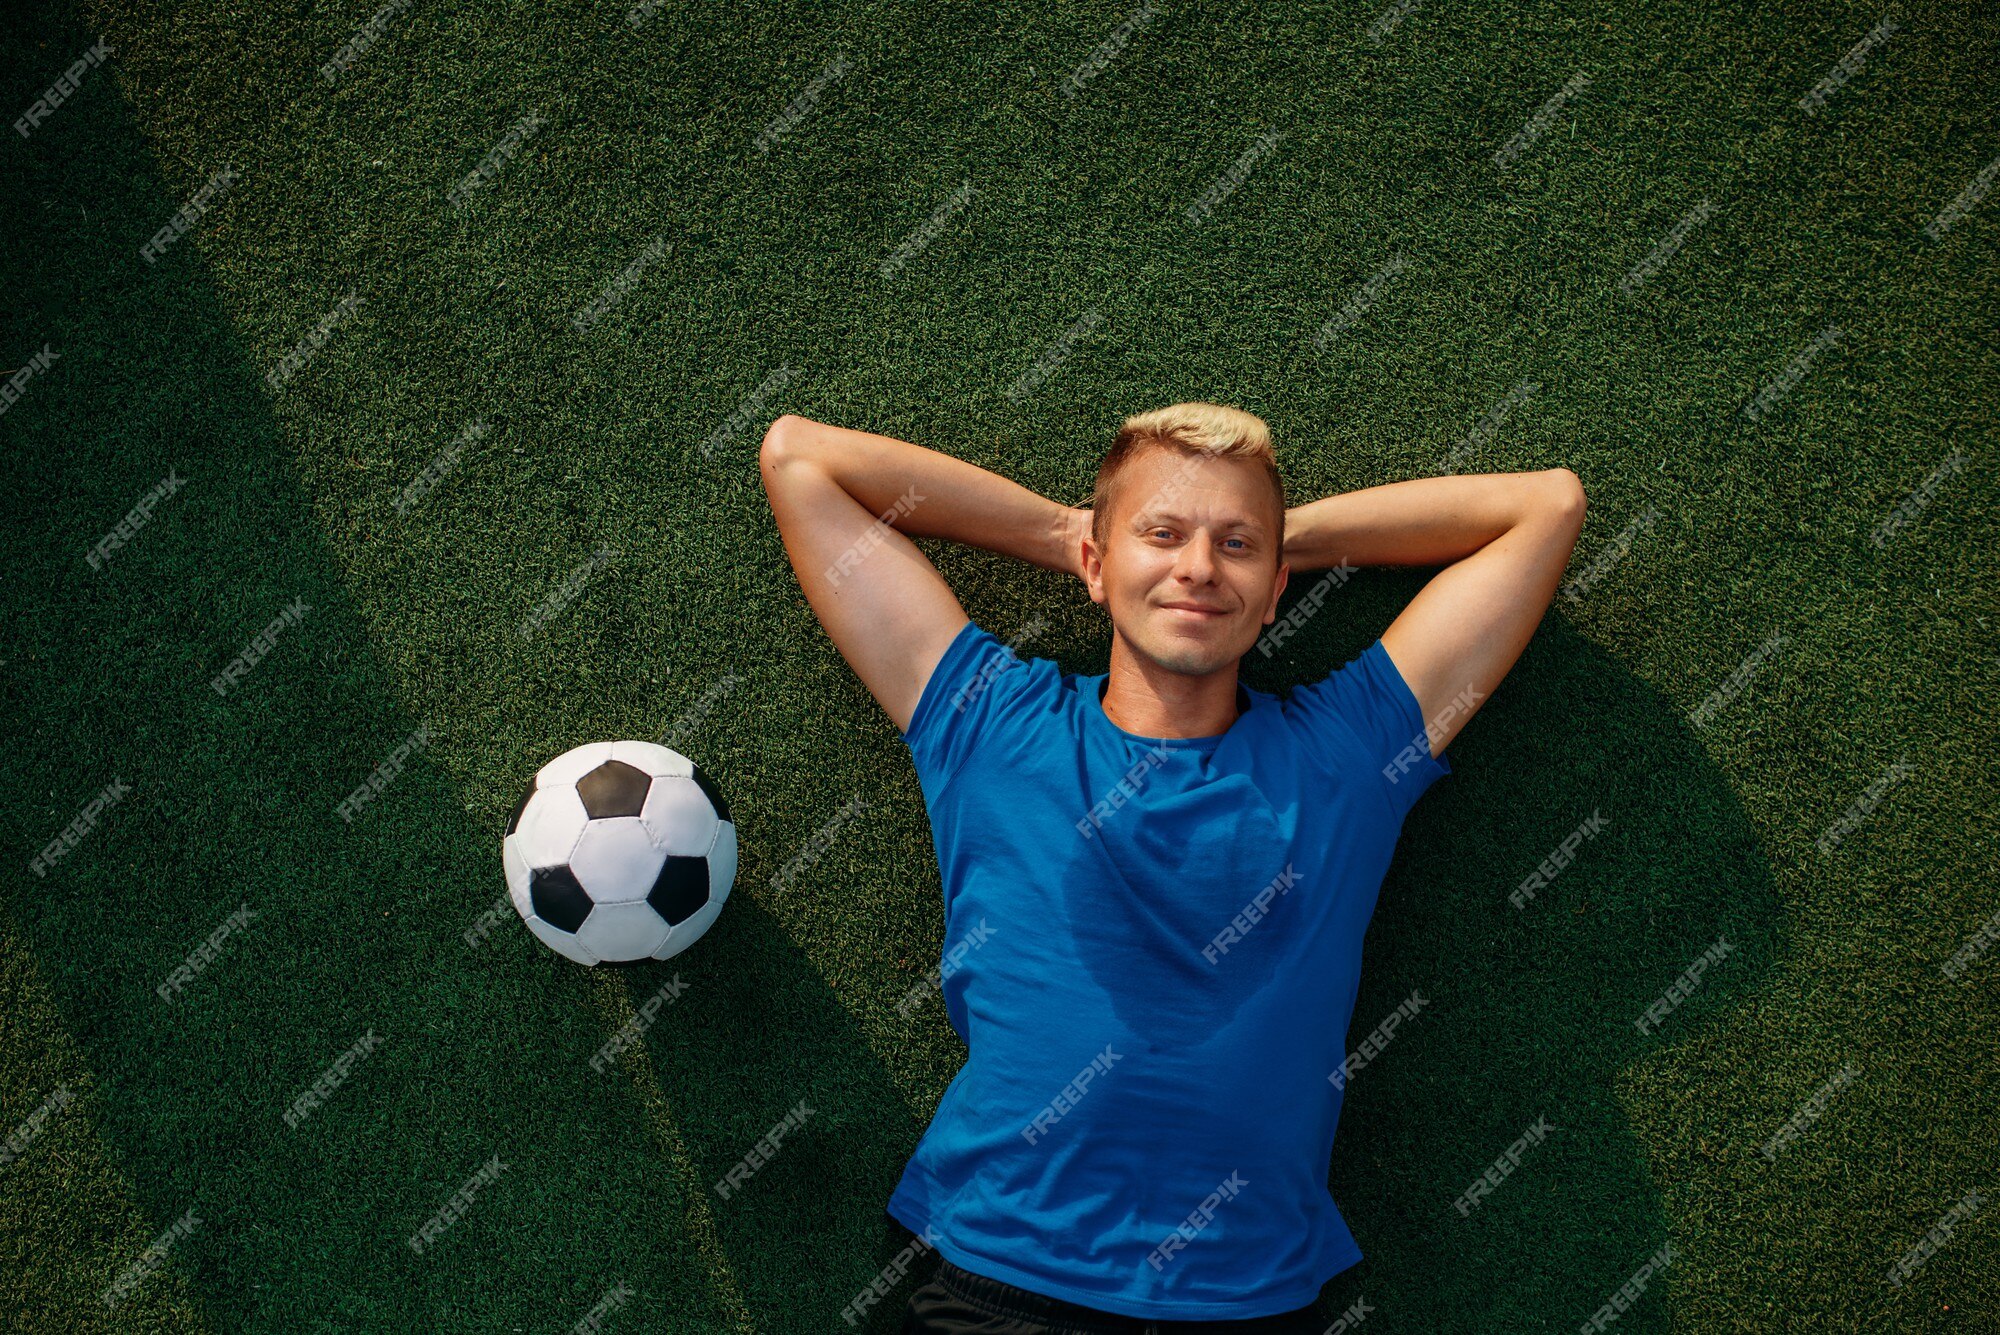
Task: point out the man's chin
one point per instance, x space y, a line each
1176 654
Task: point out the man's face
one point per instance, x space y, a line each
1198 532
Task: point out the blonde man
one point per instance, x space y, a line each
1169 873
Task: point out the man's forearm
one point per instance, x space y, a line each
925 493
1425 522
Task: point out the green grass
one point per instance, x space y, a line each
1763 527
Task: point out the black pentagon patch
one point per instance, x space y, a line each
613 789
514 821
714 793
681 890
558 899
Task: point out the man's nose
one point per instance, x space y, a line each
1197 562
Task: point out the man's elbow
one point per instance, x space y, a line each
789 440
781 439
1566 495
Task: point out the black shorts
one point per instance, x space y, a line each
958 1302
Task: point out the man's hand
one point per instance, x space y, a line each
1505 540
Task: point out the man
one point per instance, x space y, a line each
1156 880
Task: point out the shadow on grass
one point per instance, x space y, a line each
1533 1011
350 929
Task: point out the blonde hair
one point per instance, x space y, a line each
1194 430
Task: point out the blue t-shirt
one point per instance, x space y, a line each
1151 950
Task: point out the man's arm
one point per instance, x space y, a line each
847 504
1504 540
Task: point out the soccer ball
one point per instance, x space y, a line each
620 851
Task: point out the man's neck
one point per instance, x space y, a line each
1150 701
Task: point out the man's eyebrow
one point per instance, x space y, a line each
1228 521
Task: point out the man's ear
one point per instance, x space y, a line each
1284 577
1093 569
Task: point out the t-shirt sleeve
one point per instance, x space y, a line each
966 695
1367 713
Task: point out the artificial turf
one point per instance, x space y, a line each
637 439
